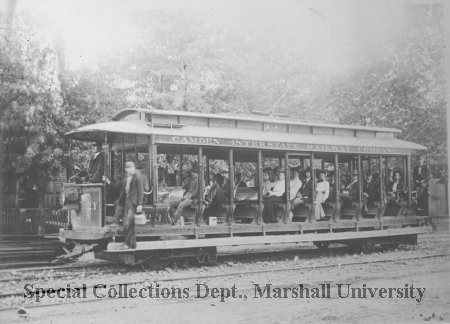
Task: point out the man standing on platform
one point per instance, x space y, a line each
131 198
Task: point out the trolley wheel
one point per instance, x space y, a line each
69 245
390 246
183 263
410 239
206 255
367 246
321 245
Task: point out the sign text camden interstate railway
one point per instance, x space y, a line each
269 145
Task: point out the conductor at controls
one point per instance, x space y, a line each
97 165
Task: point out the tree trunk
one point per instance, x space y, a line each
41 213
2 182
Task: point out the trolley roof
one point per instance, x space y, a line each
244 138
122 115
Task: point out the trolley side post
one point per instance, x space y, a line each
260 187
360 188
287 187
232 184
337 186
154 176
313 193
201 181
381 171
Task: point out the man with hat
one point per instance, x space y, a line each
130 202
371 192
273 187
273 190
97 165
215 197
389 179
421 175
351 191
397 190
191 194
238 183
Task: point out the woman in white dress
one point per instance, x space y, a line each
322 194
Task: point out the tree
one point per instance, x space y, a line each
402 89
31 115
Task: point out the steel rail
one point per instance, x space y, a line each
239 273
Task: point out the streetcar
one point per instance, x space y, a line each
164 146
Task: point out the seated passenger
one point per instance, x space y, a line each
332 182
295 186
397 189
215 196
389 179
273 191
343 183
351 191
304 195
371 192
190 196
273 187
322 194
238 183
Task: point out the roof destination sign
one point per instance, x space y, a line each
273 145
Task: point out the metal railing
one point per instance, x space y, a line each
26 221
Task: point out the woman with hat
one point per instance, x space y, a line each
322 194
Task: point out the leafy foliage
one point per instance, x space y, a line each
31 115
186 61
403 89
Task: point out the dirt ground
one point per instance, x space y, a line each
432 274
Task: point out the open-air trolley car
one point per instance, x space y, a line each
165 144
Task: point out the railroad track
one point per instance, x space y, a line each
236 273
246 255
34 253
20 251
250 256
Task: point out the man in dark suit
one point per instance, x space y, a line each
214 197
97 165
351 191
371 192
130 200
421 175
331 180
397 190
389 179
191 195
304 195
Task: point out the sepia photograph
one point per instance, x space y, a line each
224 161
